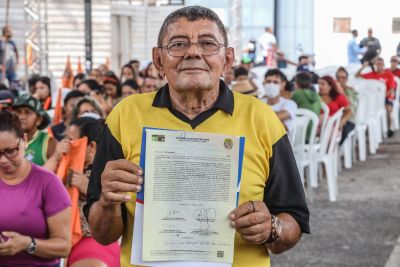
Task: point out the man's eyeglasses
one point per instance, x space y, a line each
10 153
205 47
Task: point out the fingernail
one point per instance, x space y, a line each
232 216
127 197
232 224
140 172
138 188
140 181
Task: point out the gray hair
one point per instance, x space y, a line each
192 13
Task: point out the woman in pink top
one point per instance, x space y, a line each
35 208
335 99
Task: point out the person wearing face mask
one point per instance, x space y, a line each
274 83
306 65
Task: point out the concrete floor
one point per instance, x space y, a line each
362 227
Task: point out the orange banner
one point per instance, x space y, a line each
74 161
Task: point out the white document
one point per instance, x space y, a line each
191 183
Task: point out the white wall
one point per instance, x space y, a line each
331 48
295 27
145 26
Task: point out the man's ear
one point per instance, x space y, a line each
157 61
229 60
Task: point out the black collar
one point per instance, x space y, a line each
224 102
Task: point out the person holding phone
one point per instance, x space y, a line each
35 213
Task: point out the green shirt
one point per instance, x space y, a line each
308 99
37 148
352 97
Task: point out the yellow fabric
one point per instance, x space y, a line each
251 118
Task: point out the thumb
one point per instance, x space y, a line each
9 234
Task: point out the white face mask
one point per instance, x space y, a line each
271 90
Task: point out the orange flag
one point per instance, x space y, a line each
79 68
58 108
68 76
47 103
74 161
29 54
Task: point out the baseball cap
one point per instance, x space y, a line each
6 97
34 104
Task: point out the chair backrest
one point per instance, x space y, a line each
380 89
328 141
325 110
352 69
312 118
299 138
373 98
397 94
361 112
357 83
329 70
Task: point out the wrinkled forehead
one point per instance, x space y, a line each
192 30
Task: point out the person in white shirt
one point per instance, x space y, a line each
267 44
274 84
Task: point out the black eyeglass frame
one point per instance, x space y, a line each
189 44
13 150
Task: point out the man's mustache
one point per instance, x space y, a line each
193 64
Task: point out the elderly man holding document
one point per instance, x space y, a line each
195 174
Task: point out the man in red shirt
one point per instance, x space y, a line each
394 63
386 76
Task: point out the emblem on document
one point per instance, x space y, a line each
158 138
228 143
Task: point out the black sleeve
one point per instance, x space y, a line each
284 192
108 149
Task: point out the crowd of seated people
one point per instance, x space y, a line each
307 90
35 149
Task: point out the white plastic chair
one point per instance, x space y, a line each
380 90
325 110
329 70
347 149
301 148
361 126
326 152
352 69
396 107
372 121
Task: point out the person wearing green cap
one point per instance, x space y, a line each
33 120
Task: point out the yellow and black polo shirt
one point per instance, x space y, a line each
269 167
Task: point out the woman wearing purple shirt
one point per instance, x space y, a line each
35 211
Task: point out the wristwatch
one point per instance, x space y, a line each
276 229
31 249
